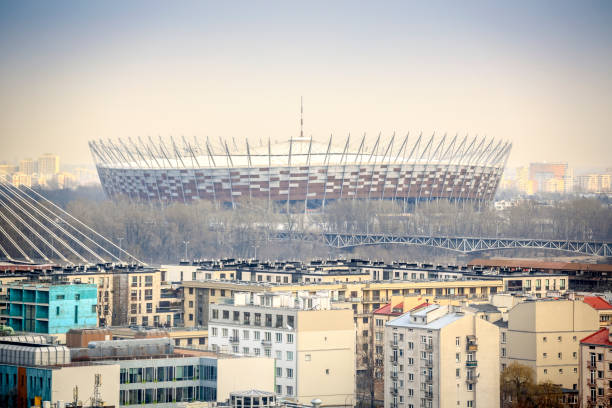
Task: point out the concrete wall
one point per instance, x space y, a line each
245 373
64 380
326 356
63 313
545 335
485 391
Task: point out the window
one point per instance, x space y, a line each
545 371
267 352
224 332
560 355
470 403
77 296
410 377
256 335
457 341
279 355
289 390
559 338
279 337
257 351
57 311
289 356
410 345
279 389
226 314
457 357
410 361
503 339
290 338
457 372
503 352
215 331
279 371
60 297
289 372
215 314
544 355
544 339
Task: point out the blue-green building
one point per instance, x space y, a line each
50 308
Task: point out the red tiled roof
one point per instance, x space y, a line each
597 303
600 337
386 310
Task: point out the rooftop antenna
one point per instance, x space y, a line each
301 117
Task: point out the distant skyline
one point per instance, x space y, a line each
534 73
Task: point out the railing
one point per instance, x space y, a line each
428 346
428 379
393 390
393 343
234 340
266 343
472 363
428 394
428 362
393 374
472 347
393 359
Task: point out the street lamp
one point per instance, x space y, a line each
186 243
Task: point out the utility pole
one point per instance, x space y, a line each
186 243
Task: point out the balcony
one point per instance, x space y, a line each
472 363
393 343
592 365
428 346
471 379
234 340
428 379
393 375
393 359
428 394
393 390
266 343
472 347
428 363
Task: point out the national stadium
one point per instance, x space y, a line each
407 169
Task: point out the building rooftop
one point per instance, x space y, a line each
386 310
597 303
406 320
484 307
599 338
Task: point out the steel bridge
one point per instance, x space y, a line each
463 245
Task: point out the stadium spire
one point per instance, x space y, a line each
301 117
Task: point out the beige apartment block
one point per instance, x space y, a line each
596 370
312 342
441 356
545 335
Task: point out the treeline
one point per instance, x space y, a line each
203 230
577 218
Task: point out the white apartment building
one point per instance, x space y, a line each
312 342
433 360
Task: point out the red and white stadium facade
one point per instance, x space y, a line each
302 170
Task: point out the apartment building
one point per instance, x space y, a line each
312 342
596 370
433 360
126 295
604 309
146 372
545 335
50 308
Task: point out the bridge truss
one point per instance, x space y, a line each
463 245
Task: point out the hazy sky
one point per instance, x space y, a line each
538 73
